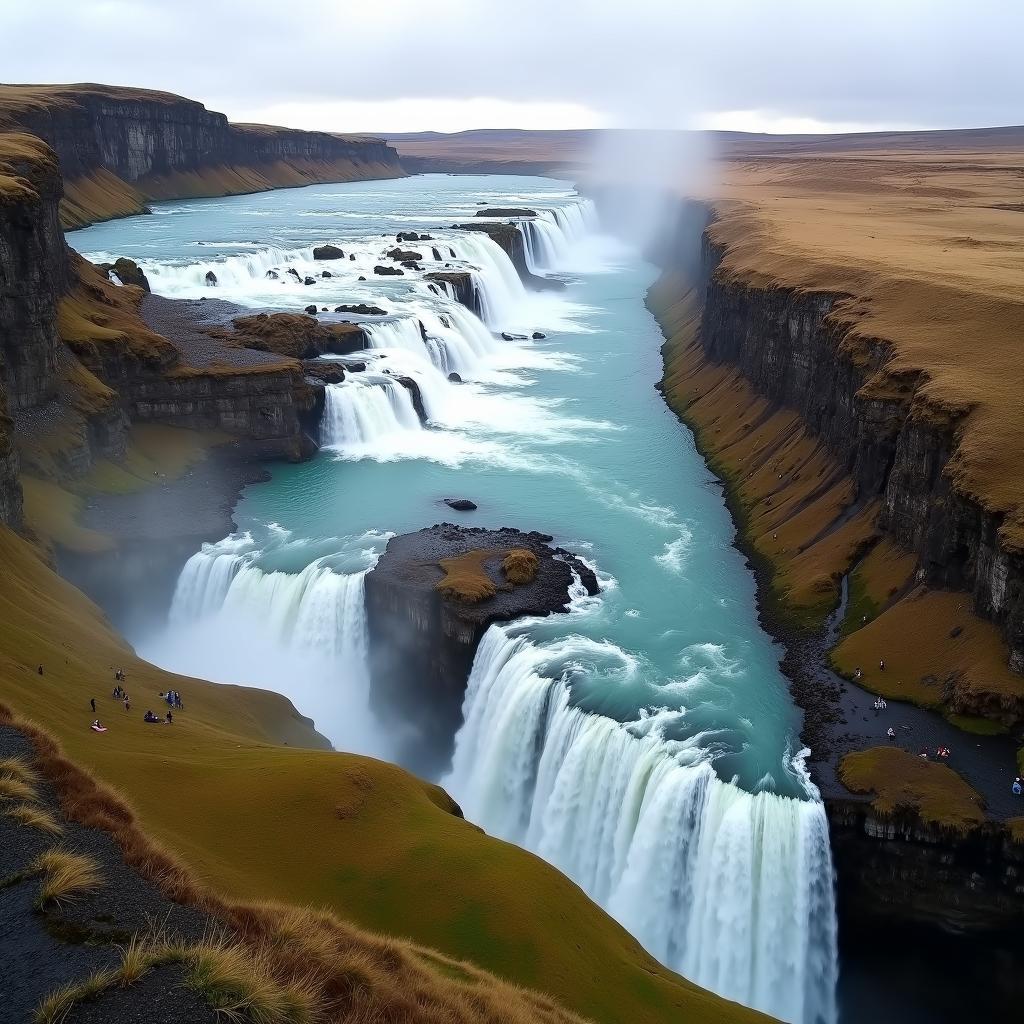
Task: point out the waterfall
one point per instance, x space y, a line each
299 633
365 408
453 347
238 272
731 889
549 236
497 281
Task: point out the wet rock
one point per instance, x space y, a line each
538 336
324 371
411 236
417 396
327 273
211 278
454 377
128 272
294 273
508 336
311 310
273 275
310 280
404 255
411 265
461 504
361 278
505 211
362 308
328 252
355 367
352 256
436 253
422 644
386 272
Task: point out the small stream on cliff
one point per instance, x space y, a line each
644 742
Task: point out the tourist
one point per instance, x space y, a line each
891 733
92 704
924 753
40 670
127 703
170 718
1016 787
881 665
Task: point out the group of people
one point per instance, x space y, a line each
881 704
172 697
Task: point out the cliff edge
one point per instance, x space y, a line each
121 147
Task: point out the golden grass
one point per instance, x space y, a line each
18 768
466 577
35 817
957 660
54 1007
98 196
902 782
520 566
24 160
15 789
244 804
98 314
65 875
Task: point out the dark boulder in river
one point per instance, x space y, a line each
211 278
404 255
386 271
537 336
454 377
328 252
362 308
310 280
429 601
461 504
327 273
505 211
311 310
294 273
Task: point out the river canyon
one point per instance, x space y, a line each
644 742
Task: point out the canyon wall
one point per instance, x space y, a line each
120 147
80 364
797 349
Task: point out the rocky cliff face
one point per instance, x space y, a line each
904 871
118 147
796 349
422 643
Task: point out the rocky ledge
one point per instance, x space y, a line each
423 640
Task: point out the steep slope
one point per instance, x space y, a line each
119 147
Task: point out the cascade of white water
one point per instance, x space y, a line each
497 282
732 889
549 236
364 408
301 633
238 272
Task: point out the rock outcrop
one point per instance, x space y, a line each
422 644
119 147
462 285
296 335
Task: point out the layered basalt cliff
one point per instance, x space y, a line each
888 445
422 643
120 147
82 358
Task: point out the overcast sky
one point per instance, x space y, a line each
447 65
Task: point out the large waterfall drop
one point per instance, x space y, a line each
732 889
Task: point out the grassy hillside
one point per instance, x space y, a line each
243 789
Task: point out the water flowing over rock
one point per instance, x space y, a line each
628 815
422 644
